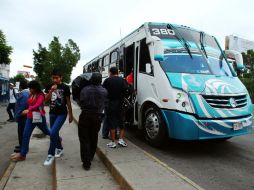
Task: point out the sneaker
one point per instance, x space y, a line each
59 153
111 144
49 160
122 143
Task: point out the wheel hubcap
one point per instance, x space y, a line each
152 125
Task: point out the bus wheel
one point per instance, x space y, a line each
154 127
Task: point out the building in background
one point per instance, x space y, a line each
5 71
237 43
27 75
4 81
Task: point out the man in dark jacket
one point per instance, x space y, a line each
117 89
92 103
21 105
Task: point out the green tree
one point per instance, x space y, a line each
5 50
57 56
248 75
17 78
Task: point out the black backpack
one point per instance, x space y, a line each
82 81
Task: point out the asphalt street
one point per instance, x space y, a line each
210 164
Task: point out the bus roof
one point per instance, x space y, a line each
145 25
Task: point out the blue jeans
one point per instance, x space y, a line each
56 122
29 127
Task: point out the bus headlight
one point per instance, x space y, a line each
182 101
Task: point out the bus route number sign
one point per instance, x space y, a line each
162 32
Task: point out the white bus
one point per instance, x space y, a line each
185 87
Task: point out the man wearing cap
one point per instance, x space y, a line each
12 102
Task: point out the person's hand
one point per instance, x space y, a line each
24 112
70 118
54 87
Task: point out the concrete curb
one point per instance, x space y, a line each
6 175
124 184
54 178
123 181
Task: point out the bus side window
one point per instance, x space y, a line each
106 60
144 57
93 66
100 65
105 63
96 66
89 69
113 57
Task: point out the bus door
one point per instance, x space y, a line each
131 54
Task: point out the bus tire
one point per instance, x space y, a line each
154 127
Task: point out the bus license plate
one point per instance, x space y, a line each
237 126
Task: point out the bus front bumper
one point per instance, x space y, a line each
187 127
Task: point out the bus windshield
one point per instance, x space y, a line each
202 56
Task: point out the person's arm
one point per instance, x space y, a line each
67 94
39 103
18 106
49 92
68 99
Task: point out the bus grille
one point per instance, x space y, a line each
226 101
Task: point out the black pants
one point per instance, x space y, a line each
21 127
88 129
10 109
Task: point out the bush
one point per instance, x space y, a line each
249 84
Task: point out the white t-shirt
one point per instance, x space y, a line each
12 97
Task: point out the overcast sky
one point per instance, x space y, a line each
95 24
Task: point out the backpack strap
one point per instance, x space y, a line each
14 93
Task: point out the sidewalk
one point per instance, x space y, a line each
31 174
65 173
134 168
69 171
131 168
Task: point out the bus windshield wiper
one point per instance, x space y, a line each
179 37
202 36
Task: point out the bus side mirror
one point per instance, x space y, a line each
158 50
157 46
237 56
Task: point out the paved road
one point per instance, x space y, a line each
8 139
212 165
